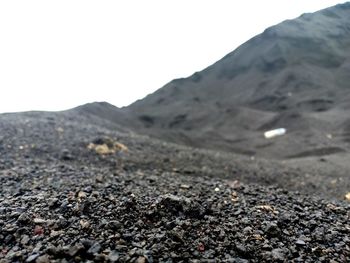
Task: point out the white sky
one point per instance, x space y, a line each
55 55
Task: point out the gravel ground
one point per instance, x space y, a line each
63 200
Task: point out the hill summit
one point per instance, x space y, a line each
294 75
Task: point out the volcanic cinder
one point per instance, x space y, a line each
186 174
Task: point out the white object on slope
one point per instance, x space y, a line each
275 133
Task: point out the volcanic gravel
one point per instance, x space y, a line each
61 201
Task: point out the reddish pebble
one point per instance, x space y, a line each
38 230
201 247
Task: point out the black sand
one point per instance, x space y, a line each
155 202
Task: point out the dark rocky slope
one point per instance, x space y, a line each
82 185
62 200
294 75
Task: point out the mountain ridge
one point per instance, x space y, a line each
293 75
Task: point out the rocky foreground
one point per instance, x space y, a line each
75 189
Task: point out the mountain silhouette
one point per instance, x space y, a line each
294 75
